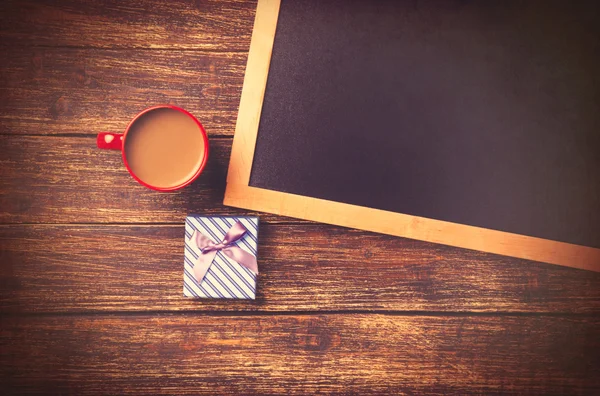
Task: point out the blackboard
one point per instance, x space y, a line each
481 114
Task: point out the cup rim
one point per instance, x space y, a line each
198 171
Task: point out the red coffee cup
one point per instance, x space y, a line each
153 119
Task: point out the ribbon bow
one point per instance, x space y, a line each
209 250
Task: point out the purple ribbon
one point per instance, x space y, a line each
209 250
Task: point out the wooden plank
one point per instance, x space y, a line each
67 179
85 91
202 24
307 267
349 354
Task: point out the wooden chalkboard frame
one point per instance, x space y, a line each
240 194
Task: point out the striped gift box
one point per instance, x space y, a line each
225 278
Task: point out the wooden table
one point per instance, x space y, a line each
91 262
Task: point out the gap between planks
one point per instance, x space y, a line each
150 224
120 48
194 313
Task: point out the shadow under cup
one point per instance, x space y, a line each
165 148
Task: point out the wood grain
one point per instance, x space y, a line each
199 24
302 268
86 91
67 179
97 308
345 354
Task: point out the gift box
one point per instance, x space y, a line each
220 257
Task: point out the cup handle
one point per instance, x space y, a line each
109 140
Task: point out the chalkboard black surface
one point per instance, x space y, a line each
481 113
469 123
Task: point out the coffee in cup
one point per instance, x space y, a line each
164 147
